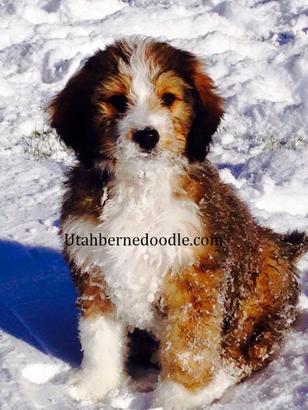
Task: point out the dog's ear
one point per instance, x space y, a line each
71 111
208 114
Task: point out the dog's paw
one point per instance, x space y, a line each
170 395
91 387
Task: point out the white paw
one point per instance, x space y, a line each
170 395
91 387
173 396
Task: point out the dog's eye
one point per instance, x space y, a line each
119 102
168 99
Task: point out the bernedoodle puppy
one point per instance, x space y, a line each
140 116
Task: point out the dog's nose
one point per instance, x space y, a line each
147 138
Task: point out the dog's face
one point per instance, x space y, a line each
141 95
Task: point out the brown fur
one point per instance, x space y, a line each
190 346
92 289
257 284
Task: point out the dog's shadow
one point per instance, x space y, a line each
37 300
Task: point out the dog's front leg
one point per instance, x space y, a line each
103 342
191 340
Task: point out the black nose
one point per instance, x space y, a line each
147 138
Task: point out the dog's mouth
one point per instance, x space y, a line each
129 150
148 153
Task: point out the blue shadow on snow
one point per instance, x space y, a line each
37 300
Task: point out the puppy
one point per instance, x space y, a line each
140 116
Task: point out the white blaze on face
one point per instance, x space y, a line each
145 110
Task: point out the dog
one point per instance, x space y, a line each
140 116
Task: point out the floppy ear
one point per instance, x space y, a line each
71 112
208 114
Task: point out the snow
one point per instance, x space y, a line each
257 52
40 373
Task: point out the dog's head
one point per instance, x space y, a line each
140 93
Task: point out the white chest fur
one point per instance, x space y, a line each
140 201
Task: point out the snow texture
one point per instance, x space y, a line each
257 52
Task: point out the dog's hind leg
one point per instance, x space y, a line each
191 340
264 315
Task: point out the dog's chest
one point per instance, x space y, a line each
138 208
146 208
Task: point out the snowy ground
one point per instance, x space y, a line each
257 51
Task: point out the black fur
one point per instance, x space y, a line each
296 244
